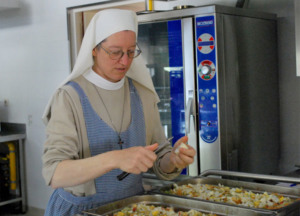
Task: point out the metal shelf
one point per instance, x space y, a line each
20 195
9 201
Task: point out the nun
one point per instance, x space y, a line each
103 120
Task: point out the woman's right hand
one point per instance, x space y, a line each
136 159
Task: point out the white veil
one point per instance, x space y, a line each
102 25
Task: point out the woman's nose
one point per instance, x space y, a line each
124 60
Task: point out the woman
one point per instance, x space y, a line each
102 121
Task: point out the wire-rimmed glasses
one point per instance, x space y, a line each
115 55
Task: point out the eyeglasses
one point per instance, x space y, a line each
119 54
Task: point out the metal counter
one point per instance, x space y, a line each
151 182
178 204
294 193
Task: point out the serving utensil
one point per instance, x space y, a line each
125 174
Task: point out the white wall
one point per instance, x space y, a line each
34 59
289 83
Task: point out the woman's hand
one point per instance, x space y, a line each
185 157
137 159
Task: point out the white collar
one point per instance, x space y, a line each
99 81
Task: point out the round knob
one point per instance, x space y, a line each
206 69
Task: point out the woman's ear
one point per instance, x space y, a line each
94 52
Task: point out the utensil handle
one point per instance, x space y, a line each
249 175
122 176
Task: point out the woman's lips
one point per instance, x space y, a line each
121 69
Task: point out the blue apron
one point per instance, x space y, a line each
102 138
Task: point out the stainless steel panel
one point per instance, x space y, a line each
293 193
203 10
250 175
177 203
229 93
249 94
191 128
297 32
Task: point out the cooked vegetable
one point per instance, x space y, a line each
236 196
151 210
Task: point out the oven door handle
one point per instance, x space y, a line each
249 175
189 113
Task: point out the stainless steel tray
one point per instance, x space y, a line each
294 193
177 203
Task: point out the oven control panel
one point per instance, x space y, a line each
207 79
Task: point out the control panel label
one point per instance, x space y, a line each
207 78
206 43
205 23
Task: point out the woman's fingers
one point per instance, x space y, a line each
189 152
186 159
185 156
181 140
151 155
152 147
138 159
142 166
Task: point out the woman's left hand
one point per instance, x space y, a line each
185 157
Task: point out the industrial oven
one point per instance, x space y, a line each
215 71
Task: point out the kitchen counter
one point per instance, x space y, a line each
12 132
6 137
9 129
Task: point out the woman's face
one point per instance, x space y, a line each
114 70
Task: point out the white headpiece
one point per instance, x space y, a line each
102 25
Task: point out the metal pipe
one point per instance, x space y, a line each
149 5
249 175
12 165
22 175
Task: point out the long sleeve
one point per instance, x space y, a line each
159 136
62 137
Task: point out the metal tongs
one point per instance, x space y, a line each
125 174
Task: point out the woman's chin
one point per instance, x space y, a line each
120 75
117 78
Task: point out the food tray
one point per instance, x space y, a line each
293 193
179 204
